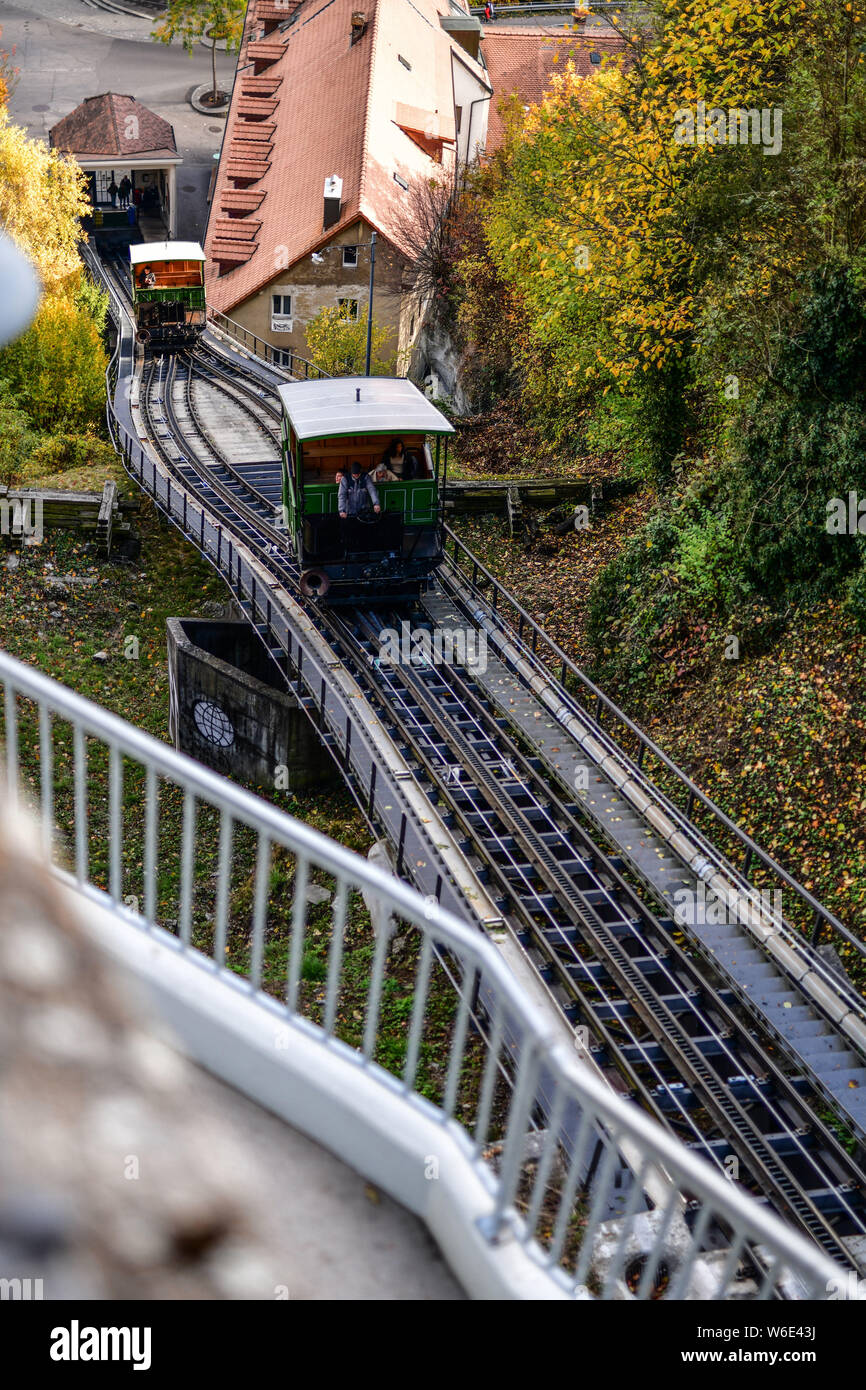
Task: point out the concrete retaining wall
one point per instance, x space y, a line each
226 711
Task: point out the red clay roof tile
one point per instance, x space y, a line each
521 62
113 125
335 115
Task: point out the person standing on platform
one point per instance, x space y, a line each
112 192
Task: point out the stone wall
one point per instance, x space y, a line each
437 365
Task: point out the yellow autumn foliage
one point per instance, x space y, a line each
56 369
41 199
605 152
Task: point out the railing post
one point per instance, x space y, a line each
402 845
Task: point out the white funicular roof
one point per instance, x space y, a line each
147 251
387 405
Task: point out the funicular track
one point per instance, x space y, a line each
676 1040
618 968
673 1032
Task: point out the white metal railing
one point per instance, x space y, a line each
214 881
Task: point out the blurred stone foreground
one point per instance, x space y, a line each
127 1172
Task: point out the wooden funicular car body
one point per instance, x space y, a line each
168 292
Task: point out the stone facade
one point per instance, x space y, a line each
318 284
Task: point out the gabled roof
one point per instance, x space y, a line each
330 106
359 405
521 63
116 126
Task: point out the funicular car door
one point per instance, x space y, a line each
290 450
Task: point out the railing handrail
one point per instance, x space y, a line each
504 7
572 1082
603 701
240 334
178 767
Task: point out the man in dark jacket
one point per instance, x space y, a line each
355 493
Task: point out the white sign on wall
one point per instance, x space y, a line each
278 326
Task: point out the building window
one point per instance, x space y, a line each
282 357
350 256
595 57
348 309
405 61
398 178
458 116
281 313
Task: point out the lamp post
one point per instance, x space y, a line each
370 302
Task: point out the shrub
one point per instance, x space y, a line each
57 368
16 439
338 344
60 453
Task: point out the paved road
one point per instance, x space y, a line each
67 51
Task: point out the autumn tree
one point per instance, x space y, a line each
54 374
338 344
8 73
56 369
193 20
42 197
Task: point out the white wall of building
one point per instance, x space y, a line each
472 97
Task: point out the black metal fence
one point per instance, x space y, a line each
284 360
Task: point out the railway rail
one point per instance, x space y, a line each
619 969
476 813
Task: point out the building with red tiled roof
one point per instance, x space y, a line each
111 135
337 113
521 62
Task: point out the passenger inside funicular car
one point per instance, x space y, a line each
399 462
396 464
356 493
